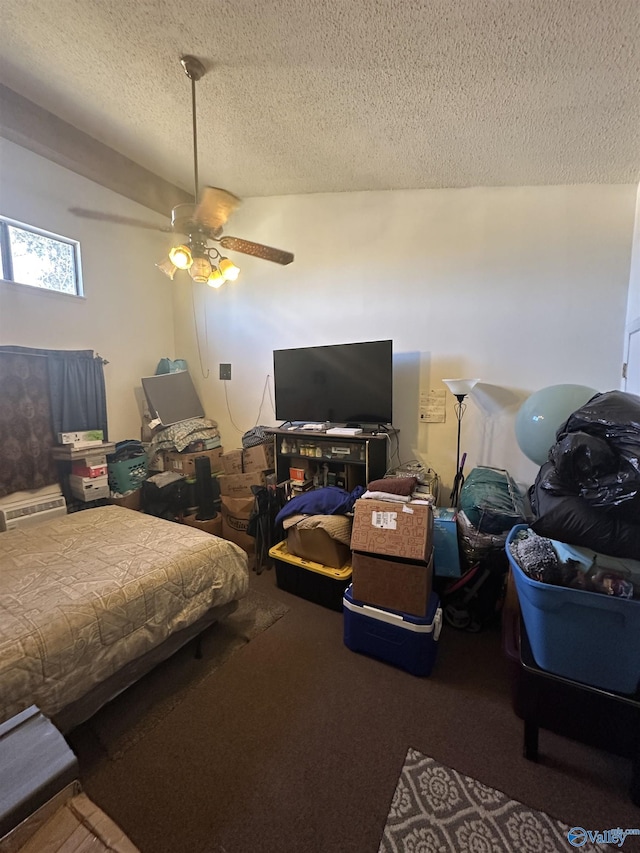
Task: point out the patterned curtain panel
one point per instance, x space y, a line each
26 431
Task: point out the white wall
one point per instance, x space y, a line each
523 287
126 314
633 303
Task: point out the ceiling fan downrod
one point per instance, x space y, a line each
194 70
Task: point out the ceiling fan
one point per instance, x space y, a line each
202 223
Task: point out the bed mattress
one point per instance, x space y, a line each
84 595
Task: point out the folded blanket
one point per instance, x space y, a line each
387 496
336 526
394 485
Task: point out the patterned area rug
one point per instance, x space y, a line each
436 810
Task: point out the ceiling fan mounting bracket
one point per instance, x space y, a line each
193 68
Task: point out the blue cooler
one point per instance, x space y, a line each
408 642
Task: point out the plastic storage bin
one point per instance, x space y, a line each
408 642
587 637
313 581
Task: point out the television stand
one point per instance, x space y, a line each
306 459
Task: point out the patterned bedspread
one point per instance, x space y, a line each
84 594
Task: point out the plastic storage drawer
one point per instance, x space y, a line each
313 581
408 642
587 637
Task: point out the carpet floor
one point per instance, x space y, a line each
294 744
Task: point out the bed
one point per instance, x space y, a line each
91 601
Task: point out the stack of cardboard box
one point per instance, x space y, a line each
242 470
392 559
185 463
390 611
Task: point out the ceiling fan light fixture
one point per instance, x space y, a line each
200 269
181 257
216 279
167 267
229 270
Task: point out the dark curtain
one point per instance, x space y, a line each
78 396
26 428
44 392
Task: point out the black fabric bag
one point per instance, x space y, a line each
567 517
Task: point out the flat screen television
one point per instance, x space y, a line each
339 383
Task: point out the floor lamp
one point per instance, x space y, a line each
459 388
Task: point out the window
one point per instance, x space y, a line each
40 259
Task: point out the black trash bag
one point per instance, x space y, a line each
612 418
580 459
566 516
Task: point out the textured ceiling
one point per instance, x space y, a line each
310 96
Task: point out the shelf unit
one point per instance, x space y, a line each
339 460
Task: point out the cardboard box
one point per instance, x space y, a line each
315 544
259 458
89 488
236 513
232 462
82 469
185 463
239 485
393 584
130 501
392 528
85 438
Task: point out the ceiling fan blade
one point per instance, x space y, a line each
215 207
119 220
267 253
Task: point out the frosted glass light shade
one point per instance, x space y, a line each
180 256
229 270
200 269
460 387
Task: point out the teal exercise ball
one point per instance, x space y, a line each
541 415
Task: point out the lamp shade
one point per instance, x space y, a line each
460 387
181 257
229 270
200 269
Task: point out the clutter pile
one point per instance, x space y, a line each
588 492
175 447
313 556
391 611
247 477
490 505
552 562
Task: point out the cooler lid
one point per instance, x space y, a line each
432 622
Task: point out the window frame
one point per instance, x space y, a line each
7 259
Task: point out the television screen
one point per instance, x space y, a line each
340 383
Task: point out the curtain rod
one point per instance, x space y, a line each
49 353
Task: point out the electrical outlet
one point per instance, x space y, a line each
225 371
